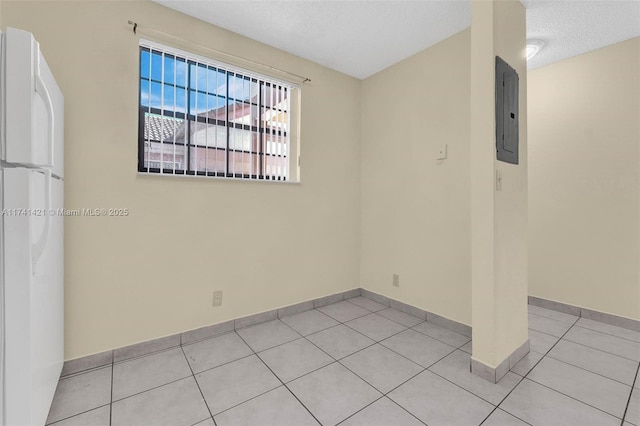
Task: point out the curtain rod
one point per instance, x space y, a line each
136 26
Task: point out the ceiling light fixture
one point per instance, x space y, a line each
533 47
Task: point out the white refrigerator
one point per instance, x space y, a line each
31 231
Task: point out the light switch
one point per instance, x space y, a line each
498 180
442 154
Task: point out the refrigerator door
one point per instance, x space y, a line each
34 289
2 422
34 106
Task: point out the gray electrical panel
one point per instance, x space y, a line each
507 83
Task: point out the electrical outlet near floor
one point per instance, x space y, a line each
217 298
396 280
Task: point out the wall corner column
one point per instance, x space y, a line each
498 196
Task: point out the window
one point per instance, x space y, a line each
204 118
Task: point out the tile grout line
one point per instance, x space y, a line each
506 412
384 309
329 355
609 334
155 352
464 389
398 353
226 363
423 370
580 312
338 361
88 370
376 314
343 322
324 329
439 340
548 387
433 363
397 322
94 408
308 311
352 329
574 398
596 349
405 381
377 341
526 374
585 345
548 334
602 350
152 388
624 415
368 346
406 328
279 379
628 330
351 415
111 394
384 394
378 390
410 413
553 319
334 359
250 399
422 320
75 415
589 371
349 300
206 404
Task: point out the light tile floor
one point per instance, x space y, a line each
357 362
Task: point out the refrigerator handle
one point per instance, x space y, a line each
41 88
38 247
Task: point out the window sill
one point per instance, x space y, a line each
218 178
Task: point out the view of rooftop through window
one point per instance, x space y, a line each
201 118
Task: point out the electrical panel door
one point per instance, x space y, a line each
507 83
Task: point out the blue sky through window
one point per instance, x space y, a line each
162 84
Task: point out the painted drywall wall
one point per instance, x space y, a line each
415 208
511 201
498 210
152 273
584 133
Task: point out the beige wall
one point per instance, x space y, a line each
498 213
415 209
584 132
361 213
152 273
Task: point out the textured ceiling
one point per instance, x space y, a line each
360 38
569 28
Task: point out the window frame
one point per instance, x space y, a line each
259 149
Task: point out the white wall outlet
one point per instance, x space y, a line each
217 298
396 280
